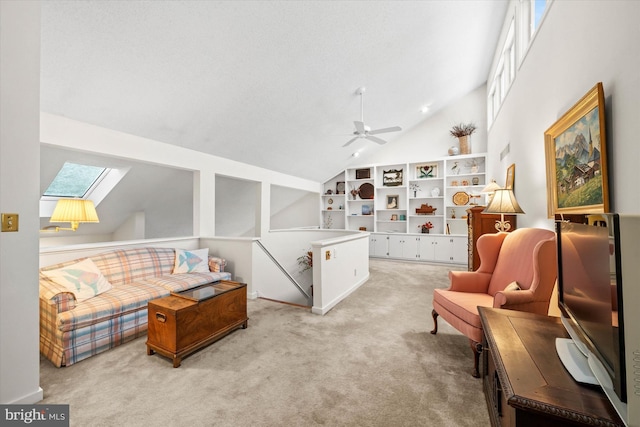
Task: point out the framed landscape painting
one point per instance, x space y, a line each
576 158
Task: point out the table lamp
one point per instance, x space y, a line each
503 202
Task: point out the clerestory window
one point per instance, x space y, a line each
537 12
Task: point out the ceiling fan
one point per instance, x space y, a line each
363 131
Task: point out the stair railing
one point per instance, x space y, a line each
286 273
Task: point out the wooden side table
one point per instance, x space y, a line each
525 383
187 321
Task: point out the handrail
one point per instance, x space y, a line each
286 273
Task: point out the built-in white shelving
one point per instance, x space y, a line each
387 197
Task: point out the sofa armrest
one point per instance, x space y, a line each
469 281
56 295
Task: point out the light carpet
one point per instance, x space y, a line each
370 361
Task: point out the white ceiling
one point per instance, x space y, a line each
269 83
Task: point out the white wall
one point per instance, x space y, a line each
66 133
339 274
579 44
431 139
19 193
291 208
132 229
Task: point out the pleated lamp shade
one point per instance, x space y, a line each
74 211
503 202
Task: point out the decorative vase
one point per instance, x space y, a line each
415 194
465 144
435 192
425 230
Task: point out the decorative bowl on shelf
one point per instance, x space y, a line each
366 191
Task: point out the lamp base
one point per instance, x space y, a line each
503 225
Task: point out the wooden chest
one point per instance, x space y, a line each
185 322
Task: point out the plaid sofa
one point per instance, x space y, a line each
72 331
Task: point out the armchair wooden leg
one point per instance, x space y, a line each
434 314
476 347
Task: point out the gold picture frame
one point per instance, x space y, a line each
576 158
511 177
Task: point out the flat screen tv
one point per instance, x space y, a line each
599 297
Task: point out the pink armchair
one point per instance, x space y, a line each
524 259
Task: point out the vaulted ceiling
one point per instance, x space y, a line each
269 83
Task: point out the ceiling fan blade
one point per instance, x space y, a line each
350 141
376 139
359 127
391 129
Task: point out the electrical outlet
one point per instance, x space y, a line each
327 255
10 222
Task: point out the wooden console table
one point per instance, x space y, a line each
524 381
188 321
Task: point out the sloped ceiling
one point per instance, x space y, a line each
269 83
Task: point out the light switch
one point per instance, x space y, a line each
9 222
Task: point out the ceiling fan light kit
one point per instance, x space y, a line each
364 131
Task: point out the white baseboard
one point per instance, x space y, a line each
324 310
29 399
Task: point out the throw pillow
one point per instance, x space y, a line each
83 279
513 286
191 261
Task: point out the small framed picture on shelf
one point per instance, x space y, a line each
340 186
363 173
366 210
425 171
392 201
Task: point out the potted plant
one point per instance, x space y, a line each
305 262
426 227
415 188
354 192
462 132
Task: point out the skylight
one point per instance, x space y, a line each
74 180
78 181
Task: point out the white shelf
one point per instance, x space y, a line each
471 167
